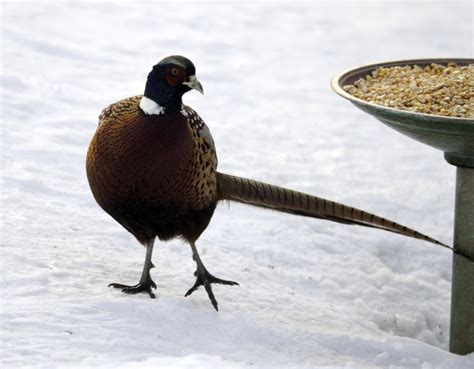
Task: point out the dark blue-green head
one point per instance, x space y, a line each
167 82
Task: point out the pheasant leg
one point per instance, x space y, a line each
204 278
145 284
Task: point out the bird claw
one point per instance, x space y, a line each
204 278
141 287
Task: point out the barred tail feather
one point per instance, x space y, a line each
281 199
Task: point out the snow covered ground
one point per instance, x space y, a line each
312 294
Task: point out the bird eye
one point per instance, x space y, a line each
174 72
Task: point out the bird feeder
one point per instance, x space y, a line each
455 137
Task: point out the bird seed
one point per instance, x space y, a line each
446 90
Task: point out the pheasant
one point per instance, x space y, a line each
152 166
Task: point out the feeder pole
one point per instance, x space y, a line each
462 293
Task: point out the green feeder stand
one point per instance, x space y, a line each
455 137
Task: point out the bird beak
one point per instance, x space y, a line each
194 84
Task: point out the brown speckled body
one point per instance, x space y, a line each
154 174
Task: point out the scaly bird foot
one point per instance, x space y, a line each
141 287
204 278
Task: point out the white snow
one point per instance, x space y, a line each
312 294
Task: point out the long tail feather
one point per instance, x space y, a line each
281 199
